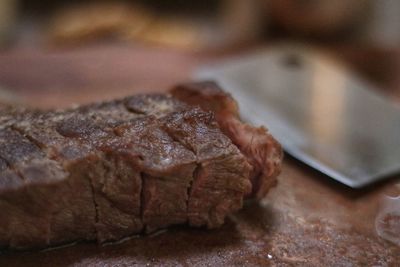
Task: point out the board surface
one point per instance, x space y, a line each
308 219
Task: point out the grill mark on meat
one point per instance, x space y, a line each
124 221
150 105
197 181
21 153
176 139
47 149
16 148
7 184
42 229
152 108
165 164
32 140
157 105
105 115
12 162
190 127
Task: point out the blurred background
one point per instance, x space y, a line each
56 53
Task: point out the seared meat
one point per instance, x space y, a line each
109 170
262 151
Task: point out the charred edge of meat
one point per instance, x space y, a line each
88 128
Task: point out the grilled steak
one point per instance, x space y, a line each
109 170
261 150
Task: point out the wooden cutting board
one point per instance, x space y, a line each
307 219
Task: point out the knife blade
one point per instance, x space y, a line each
323 115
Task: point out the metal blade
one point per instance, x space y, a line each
322 114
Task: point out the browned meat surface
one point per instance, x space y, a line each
109 170
262 151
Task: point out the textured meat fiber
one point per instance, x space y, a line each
260 148
109 170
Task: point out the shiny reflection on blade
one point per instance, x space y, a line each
326 99
321 114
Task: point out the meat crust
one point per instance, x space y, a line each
260 148
109 170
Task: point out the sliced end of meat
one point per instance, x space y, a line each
167 171
109 170
261 150
221 177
